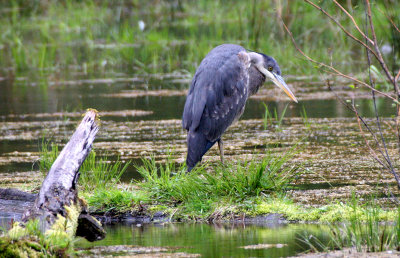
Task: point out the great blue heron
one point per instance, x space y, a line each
226 77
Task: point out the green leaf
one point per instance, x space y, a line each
379 77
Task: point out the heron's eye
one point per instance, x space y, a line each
270 68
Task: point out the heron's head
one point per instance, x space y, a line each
270 69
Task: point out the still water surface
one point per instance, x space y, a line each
17 99
20 101
214 240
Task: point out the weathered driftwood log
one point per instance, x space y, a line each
58 202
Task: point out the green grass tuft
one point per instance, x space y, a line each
100 173
48 154
361 229
117 200
199 191
271 118
95 173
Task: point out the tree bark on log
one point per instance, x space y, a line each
58 194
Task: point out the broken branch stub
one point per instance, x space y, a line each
58 194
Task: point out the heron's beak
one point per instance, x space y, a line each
278 80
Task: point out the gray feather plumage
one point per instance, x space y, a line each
217 93
217 97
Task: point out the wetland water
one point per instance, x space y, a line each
211 240
141 117
59 58
28 112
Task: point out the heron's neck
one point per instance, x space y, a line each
256 79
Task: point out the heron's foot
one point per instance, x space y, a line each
221 150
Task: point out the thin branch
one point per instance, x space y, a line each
381 147
396 120
390 19
341 26
354 22
360 118
378 121
397 76
378 52
389 76
337 72
371 150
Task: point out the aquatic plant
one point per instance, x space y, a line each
47 155
270 118
98 173
304 116
95 172
118 200
208 184
363 230
59 36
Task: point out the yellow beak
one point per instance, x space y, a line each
278 81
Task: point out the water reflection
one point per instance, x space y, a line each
214 240
20 96
22 99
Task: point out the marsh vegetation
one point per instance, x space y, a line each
133 61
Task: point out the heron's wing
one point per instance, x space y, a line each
218 92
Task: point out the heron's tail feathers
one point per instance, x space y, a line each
198 145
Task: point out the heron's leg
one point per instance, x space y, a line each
221 150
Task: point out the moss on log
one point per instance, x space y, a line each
52 223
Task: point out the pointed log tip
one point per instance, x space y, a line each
95 113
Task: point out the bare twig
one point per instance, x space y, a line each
397 77
379 152
354 22
378 54
336 72
374 155
378 123
361 119
381 61
371 150
341 26
390 19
